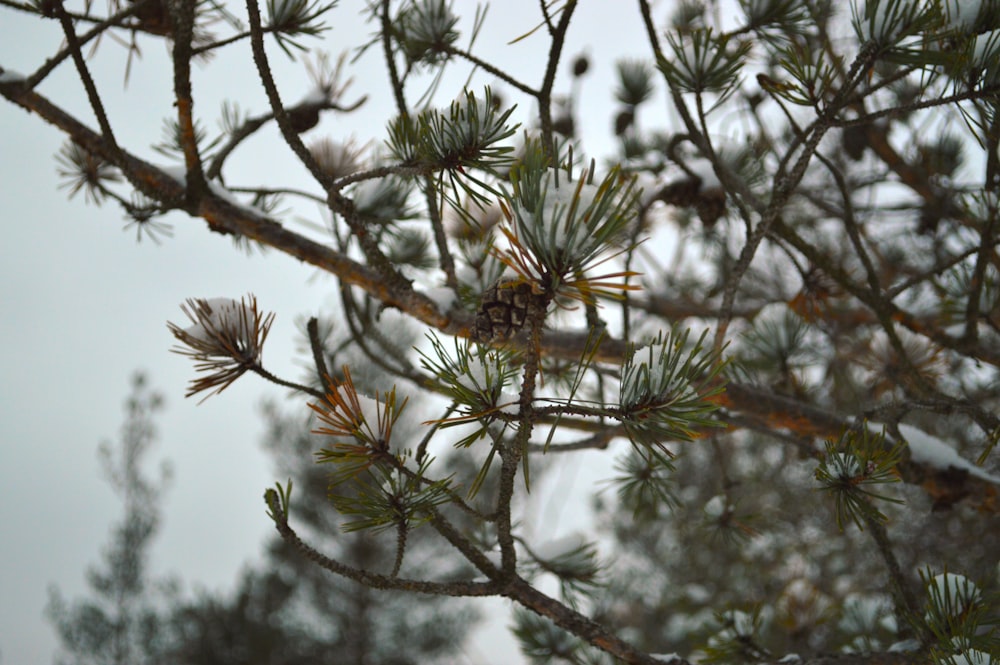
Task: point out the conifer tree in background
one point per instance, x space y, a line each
123 622
285 611
798 400
288 611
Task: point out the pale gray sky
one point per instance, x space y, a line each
85 305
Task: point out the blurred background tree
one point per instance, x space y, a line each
122 621
281 610
285 609
814 474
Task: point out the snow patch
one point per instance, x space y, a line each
10 76
223 314
702 168
742 623
494 557
904 646
442 297
178 173
926 449
509 403
957 592
315 97
480 376
846 464
890 17
985 49
228 196
697 593
560 547
961 14
558 201
973 657
715 507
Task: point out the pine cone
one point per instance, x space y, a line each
854 140
681 193
154 17
624 120
710 204
303 117
504 310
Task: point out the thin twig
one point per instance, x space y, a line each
491 69
96 105
280 113
544 94
337 202
401 532
390 61
113 20
367 577
182 14
251 125
907 607
298 387
445 259
318 353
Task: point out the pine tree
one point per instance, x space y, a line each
779 314
288 611
284 611
123 621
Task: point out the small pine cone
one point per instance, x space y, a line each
303 117
854 140
681 193
154 17
504 309
710 204
624 120
564 125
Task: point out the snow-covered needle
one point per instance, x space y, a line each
225 339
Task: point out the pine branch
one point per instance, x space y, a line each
96 105
251 125
491 69
222 216
182 17
576 623
544 95
281 113
390 61
919 326
882 307
784 186
95 32
907 607
366 577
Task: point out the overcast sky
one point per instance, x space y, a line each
85 305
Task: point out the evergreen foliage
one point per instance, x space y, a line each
821 200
